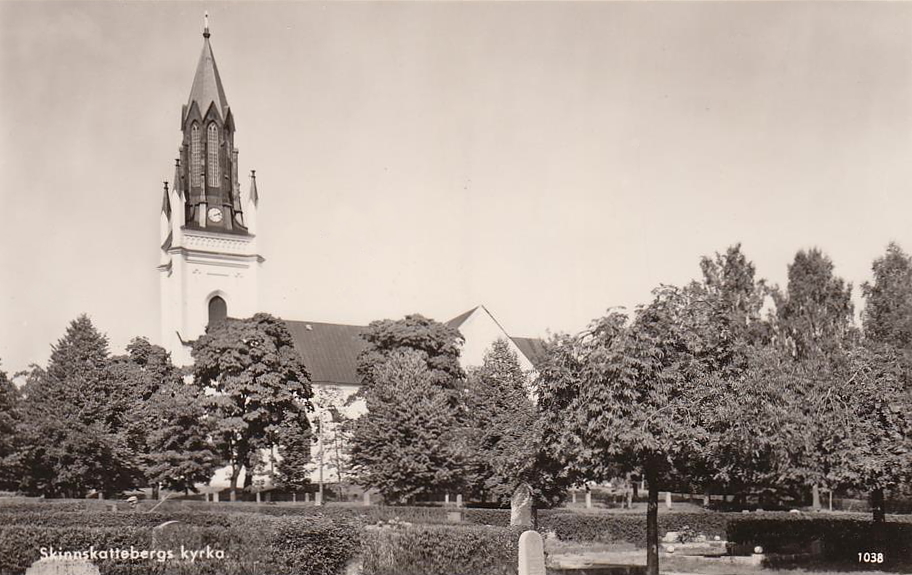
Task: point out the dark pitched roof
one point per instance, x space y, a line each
329 350
532 347
207 85
460 319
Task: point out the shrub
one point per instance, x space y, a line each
254 544
497 517
440 550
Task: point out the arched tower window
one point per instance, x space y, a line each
212 160
196 156
218 310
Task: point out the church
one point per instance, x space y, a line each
210 262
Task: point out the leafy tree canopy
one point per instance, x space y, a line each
254 382
405 445
815 314
436 343
888 300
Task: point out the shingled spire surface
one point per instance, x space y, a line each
207 85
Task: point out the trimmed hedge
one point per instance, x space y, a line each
34 515
254 545
842 538
626 527
441 550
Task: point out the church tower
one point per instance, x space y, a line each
209 259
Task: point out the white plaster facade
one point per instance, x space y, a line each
198 266
480 331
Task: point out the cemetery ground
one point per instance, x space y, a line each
348 539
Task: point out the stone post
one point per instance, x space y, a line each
668 500
367 499
816 497
258 497
588 500
215 496
521 506
531 554
573 497
446 499
459 500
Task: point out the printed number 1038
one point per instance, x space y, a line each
870 557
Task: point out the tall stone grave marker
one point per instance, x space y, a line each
531 554
521 506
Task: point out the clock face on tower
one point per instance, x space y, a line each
215 215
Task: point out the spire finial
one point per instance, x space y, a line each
206 24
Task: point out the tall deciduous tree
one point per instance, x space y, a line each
253 382
887 315
503 432
294 438
71 425
815 314
814 321
9 419
864 420
436 343
405 445
180 453
625 398
735 299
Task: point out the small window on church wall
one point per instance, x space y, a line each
218 310
213 158
196 156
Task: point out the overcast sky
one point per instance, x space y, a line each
548 160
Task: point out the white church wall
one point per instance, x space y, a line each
480 331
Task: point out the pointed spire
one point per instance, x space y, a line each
207 85
177 187
206 24
254 196
166 203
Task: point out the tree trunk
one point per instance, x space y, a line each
878 505
235 471
652 527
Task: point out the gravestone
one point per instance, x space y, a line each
459 500
521 506
531 554
61 566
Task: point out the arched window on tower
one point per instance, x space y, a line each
196 156
218 310
212 160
